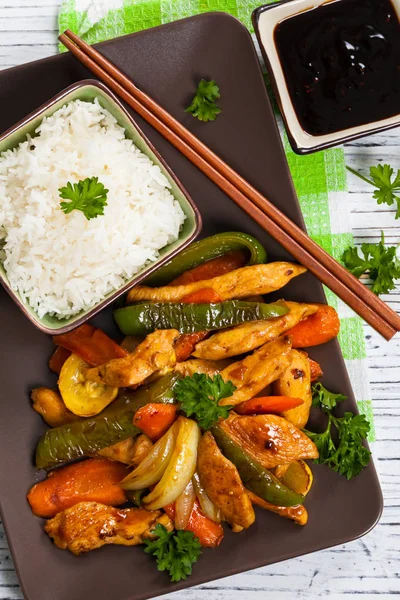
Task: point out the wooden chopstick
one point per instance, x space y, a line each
288 234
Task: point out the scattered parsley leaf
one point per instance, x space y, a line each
203 105
88 195
380 261
325 399
199 396
349 456
175 551
381 178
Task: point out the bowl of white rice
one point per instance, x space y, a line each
62 258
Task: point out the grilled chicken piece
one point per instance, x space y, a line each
295 382
154 354
90 525
241 283
187 368
248 336
298 513
222 483
269 439
130 451
255 372
50 406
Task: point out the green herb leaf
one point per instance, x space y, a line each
379 261
88 196
175 551
199 396
382 179
323 398
203 105
349 456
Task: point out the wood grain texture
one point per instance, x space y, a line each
369 567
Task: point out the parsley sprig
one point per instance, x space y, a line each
175 551
348 456
386 186
199 396
203 105
379 261
88 196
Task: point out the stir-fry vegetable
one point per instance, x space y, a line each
90 344
319 328
205 250
212 268
208 507
58 358
155 419
83 397
114 424
141 319
95 480
184 506
153 467
209 533
180 468
253 475
298 513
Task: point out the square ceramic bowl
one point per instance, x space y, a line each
265 20
88 90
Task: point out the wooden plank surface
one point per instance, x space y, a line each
367 568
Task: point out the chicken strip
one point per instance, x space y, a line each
50 406
248 336
257 371
241 283
187 368
130 451
222 483
90 525
298 514
295 382
269 439
154 354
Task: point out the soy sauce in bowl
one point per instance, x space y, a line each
341 63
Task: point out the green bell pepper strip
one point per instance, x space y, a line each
141 319
112 425
206 249
253 475
136 496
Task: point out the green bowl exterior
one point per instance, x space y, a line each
89 91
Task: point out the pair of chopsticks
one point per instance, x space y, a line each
373 310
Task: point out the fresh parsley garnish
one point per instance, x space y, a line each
203 105
381 178
199 396
88 195
175 551
379 261
348 456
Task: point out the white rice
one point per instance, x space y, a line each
61 264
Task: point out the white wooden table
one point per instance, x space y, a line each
369 567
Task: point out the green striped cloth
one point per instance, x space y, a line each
320 179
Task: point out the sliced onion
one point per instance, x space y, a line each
153 466
180 468
184 506
207 506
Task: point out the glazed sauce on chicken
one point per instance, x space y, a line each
341 63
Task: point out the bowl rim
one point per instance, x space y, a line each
33 318
301 141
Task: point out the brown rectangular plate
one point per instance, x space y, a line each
168 62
